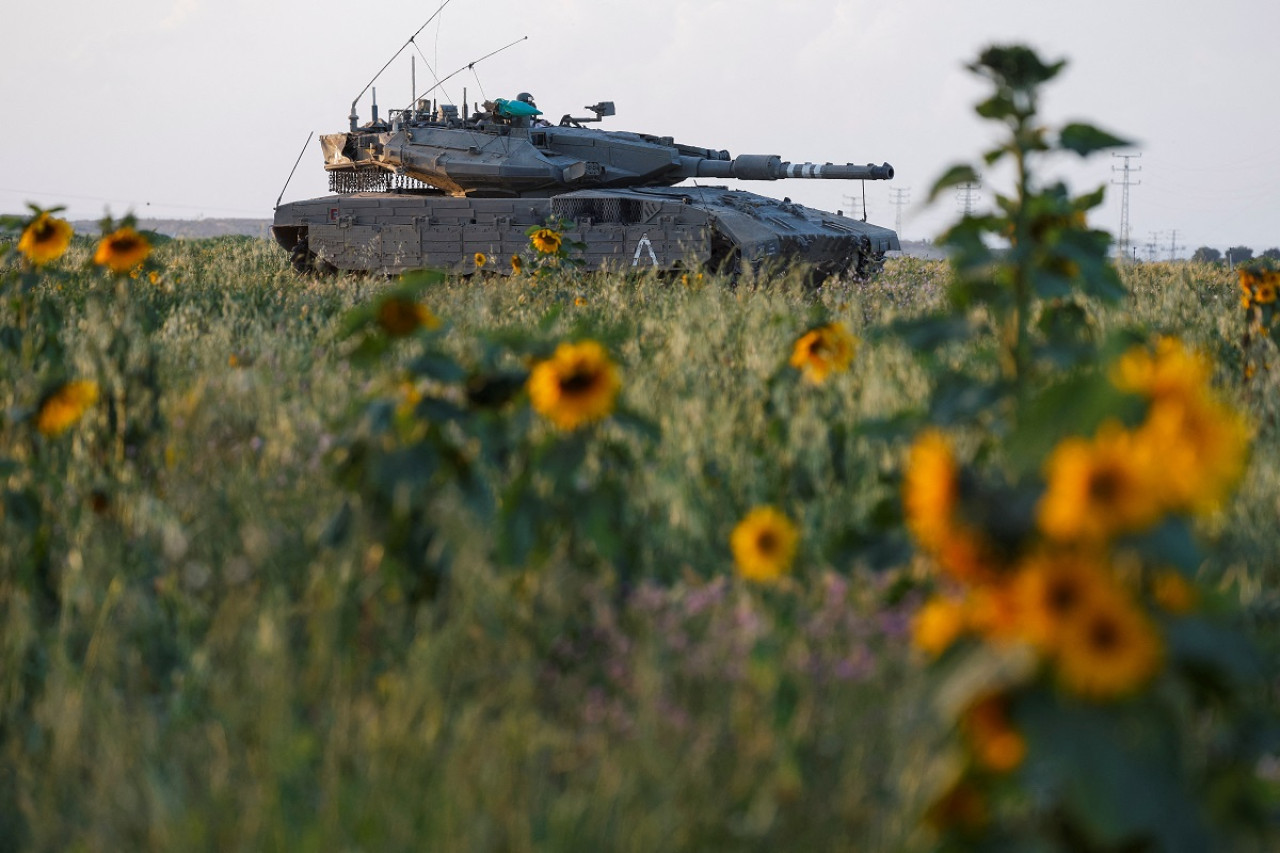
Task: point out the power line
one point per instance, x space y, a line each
967 194
1122 249
900 197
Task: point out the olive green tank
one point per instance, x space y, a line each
433 188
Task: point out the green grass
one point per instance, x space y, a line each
197 665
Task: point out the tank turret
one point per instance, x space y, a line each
506 149
430 172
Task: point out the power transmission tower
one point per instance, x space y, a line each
1174 248
1153 246
967 194
900 197
857 205
1122 250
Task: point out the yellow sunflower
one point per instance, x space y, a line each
1052 588
1202 446
576 386
930 493
1167 370
937 624
480 260
65 406
516 264
1100 487
995 743
45 239
1109 648
822 351
764 544
399 317
546 241
929 488
122 250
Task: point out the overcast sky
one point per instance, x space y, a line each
192 108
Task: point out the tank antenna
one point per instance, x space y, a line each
472 65
355 116
295 167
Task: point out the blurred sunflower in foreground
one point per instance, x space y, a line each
822 351
575 386
122 250
60 410
764 544
45 239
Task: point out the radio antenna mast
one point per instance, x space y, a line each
354 115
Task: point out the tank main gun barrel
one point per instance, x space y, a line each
770 167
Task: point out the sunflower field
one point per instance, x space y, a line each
975 555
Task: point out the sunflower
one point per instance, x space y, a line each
1170 370
399 317
937 624
764 544
122 250
480 260
929 488
577 385
822 351
546 241
1051 589
930 494
1202 446
45 239
1109 648
995 743
60 410
1100 487
516 264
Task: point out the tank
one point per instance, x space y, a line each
432 186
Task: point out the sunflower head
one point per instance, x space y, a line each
1052 588
764 544
576 386
516 265
45 239
1109 648
546 241
122 250
480 260
822 351
60 410
929 488
1100 487
399 317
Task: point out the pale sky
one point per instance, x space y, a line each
194 108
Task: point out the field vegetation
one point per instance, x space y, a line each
570 561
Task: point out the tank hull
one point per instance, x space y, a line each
667 228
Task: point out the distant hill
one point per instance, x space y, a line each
192 229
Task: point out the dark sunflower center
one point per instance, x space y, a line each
1104 635
1063 595
767 542
1105 485
124 244
578 382
45 231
